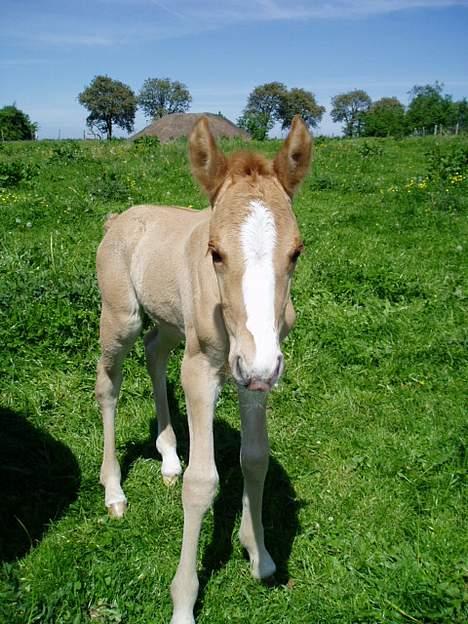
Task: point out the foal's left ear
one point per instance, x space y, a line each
292 162
209 165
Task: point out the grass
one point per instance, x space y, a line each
365 511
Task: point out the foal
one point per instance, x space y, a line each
219 278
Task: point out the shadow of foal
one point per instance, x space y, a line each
39 478
280 507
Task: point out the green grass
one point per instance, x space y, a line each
365 511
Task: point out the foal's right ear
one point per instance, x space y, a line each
209 165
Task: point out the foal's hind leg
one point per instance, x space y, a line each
118 331
158 344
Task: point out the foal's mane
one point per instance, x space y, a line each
250 164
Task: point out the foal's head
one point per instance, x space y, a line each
254 243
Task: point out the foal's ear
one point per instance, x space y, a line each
209 165
292 162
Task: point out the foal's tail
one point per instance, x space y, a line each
111 217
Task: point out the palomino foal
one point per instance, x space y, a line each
219 278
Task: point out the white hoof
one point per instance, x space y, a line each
170 480
171 468
117 510
182 619
262 568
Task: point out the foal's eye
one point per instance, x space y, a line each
216 256
296 253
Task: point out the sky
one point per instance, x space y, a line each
51 49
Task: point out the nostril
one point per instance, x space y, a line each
279 366
239 371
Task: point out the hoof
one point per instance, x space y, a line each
170 480
262 567
117 510
182 619
263 572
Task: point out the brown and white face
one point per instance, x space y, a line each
254 245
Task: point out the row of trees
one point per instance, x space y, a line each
111 102
429 109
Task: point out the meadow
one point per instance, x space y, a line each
365 511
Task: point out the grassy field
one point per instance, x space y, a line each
364 511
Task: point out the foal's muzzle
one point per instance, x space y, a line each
258 380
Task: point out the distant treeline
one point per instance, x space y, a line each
430 111
112 103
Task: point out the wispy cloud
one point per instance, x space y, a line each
77 40
26 61
273 10
343 9
121 22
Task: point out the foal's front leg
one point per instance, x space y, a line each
201 383
254 463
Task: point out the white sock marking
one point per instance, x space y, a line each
258 239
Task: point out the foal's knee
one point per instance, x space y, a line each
108 381
199 490
254 461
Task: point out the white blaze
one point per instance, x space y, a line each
258 239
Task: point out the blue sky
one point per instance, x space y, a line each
51 49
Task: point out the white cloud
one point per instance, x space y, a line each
272 10
76 40
158 20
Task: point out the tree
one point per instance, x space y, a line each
256 124
262 110
162 96
350 107
385 117
16 125
430 107
110 102
300 102
461 114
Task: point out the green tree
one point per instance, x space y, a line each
349 107
16 125
385 117
162 96
110 102
461 115
263 109
430 107
300 102
256 124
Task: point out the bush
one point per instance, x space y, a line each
446 166
66 151
112 187
369 149
146 143
12 173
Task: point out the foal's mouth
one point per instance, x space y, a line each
259 386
